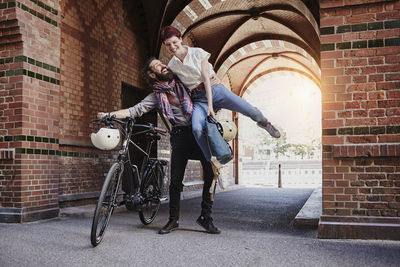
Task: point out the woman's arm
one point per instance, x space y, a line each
214 79
205 73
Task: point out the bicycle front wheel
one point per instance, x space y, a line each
151 192
106 204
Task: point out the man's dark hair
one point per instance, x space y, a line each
146 70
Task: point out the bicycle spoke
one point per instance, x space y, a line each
106 204
151 192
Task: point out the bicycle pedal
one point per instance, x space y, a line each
163 162
136 198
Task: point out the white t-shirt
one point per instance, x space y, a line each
189 71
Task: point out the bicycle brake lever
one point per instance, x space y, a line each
160 130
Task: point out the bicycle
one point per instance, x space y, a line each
144 187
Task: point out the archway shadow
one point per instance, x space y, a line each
254 209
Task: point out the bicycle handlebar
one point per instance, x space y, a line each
108 121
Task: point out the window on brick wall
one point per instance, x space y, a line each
132 95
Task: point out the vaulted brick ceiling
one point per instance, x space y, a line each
245 65
232 29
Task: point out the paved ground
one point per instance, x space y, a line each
256 231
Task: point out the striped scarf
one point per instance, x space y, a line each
161 91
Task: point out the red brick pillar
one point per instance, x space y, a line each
29 113
360 57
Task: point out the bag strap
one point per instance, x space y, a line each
164 120
210 119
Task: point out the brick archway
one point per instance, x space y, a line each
261 74
281 19
256 58
236 43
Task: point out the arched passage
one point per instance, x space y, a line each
291 100
254 62
249 39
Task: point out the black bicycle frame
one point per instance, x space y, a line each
124 157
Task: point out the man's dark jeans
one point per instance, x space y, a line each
184 147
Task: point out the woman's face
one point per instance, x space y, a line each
173 44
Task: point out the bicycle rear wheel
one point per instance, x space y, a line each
106 204
150 190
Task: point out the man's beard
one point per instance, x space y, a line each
165 77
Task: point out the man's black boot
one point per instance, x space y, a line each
171 225
207 224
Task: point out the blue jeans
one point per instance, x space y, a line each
222 98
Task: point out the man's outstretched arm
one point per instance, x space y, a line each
144 106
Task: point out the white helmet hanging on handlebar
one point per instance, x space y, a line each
105 138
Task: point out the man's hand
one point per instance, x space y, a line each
119 114
100 115
214 79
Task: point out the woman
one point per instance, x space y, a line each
191 65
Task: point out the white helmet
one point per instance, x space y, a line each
105 138
229 130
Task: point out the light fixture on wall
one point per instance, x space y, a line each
275 55
254 13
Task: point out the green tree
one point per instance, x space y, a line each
299 149
314 148
310 150
280 145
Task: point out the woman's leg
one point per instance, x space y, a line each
223 98
198 127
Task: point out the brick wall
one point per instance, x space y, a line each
10 44
101 48
99 51
29 114
103 44
360 47
61 63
